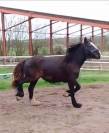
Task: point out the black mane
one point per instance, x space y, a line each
73 48
71 52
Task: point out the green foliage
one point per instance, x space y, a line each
43 51
19 47
58 50
40 47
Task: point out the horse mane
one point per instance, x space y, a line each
73 48
70 53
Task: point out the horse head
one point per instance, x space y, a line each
91 50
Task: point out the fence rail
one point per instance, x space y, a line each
90 65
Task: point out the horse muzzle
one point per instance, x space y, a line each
97 54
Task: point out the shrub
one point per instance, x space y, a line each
58 50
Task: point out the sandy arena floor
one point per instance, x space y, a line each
56 114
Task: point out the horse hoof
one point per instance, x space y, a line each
66 95
18 98
78 105
35 103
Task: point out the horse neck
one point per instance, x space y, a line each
79 60
78 57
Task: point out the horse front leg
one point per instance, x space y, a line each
31 91
76 88
72 91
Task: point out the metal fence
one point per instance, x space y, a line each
90 65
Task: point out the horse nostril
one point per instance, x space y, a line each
97 54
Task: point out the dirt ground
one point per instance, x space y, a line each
56 114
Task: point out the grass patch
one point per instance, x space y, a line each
92 77
5 84
86 77
6 70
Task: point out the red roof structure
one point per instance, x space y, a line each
52 18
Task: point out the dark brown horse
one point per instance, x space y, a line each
55 69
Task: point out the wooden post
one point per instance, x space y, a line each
3 35
51 39
92 33
102 40
67 36
30 37
81 33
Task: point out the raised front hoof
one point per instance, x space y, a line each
78 105
35 102
66 95
19 98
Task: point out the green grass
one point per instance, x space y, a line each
6 70
92 77
86 77
5 84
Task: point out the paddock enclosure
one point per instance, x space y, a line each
21 36
56 114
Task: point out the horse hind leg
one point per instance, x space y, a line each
33 101
20 92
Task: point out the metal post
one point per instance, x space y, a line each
67 36
51 39
3 35
81 33
92 33
30 37
102 39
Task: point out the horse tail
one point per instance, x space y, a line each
18 73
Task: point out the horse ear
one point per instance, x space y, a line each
85 40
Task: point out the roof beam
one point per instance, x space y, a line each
69 19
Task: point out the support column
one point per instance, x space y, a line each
30 37
3 35
102 40
92 33
51 39
81 33
67 36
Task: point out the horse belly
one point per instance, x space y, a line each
54 77
52 70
